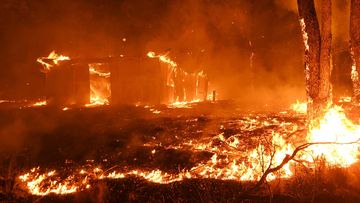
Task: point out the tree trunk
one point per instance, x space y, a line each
325 92
355 46
312 42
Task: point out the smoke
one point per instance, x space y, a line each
215 36
220 37
290 5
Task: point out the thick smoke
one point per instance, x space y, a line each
215 36
291 5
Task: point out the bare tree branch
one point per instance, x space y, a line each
289 158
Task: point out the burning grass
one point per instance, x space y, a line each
151 149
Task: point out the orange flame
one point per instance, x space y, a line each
39 103
335 127
56 58
299 107
337 138
162 58
99 86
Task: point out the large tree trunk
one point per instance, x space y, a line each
355 45
312 42
317 57
325 91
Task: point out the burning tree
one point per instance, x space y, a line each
355 45
317 56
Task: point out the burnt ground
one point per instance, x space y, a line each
55 139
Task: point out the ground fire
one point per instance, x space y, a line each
180 101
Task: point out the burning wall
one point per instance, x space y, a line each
120 80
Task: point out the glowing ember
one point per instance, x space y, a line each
39 103
154 111
6 101
183 104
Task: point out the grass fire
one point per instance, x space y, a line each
180 101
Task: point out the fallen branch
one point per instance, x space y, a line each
288 158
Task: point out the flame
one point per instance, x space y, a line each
34 181
226 163
39 103
93 71
299 107
305 37
336 136
183 104
335 127
176 77
344 99
229 168
155 111
171 67
304 34
162 58
56 59
99 86
354 72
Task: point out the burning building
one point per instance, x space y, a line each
253 149
154 79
